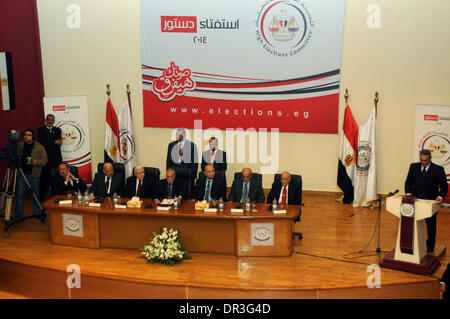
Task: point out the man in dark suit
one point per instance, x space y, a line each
210 187
214 156
169 187
140 185
50 137
246 186
182 153
65 182
107 183
285 191
427 180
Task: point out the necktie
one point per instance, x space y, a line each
169 190
213 157
138 192
284 196
245 194
208 190
107 185
424 171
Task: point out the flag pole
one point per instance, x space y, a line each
376 99
346 96
129 99
108 91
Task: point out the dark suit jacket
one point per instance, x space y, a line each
48 139
98 185
293 193
220 162
430 186
148 187
177 189
255 193
218 188
189 156
58 187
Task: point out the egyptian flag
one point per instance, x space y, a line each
347 160
112 151
7 98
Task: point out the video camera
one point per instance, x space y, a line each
10 150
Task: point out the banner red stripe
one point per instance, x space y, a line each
244 85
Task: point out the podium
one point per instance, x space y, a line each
410 253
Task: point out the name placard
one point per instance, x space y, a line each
210 211
95 205
65 202
279 211
163 208
120 206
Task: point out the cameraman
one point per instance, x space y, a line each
33 158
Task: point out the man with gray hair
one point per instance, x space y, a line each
247 185
427 180
285 191
140 184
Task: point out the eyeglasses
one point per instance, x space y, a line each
27 134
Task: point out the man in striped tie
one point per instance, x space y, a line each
140 185
210 187
285 191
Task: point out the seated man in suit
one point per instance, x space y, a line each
140 185
107 183
65 182
246 187
285 191
169 187
214 156
210 187
427 180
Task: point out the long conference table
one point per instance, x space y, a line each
258 232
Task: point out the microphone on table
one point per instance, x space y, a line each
392 193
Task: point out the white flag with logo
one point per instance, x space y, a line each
365 180
126 137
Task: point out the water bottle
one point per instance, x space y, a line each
86 197
175 204
247 204
79 196
274 204
115 199
221 204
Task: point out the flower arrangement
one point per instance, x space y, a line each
165 248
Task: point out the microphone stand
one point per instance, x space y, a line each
378 250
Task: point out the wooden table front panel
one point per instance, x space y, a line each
198 234
282 245
90 237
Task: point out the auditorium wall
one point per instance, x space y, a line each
405 60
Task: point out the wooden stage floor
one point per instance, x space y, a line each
30 266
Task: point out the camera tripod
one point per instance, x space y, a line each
8 193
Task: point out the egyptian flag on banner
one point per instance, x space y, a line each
7 97
346 162
112 151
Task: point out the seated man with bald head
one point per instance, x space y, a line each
140 185
169 187
107 183
285 191
246 186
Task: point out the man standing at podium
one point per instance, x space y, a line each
427 180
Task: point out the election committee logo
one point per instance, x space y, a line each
439 145
364 158
284 28
127 147
73 136
173 82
